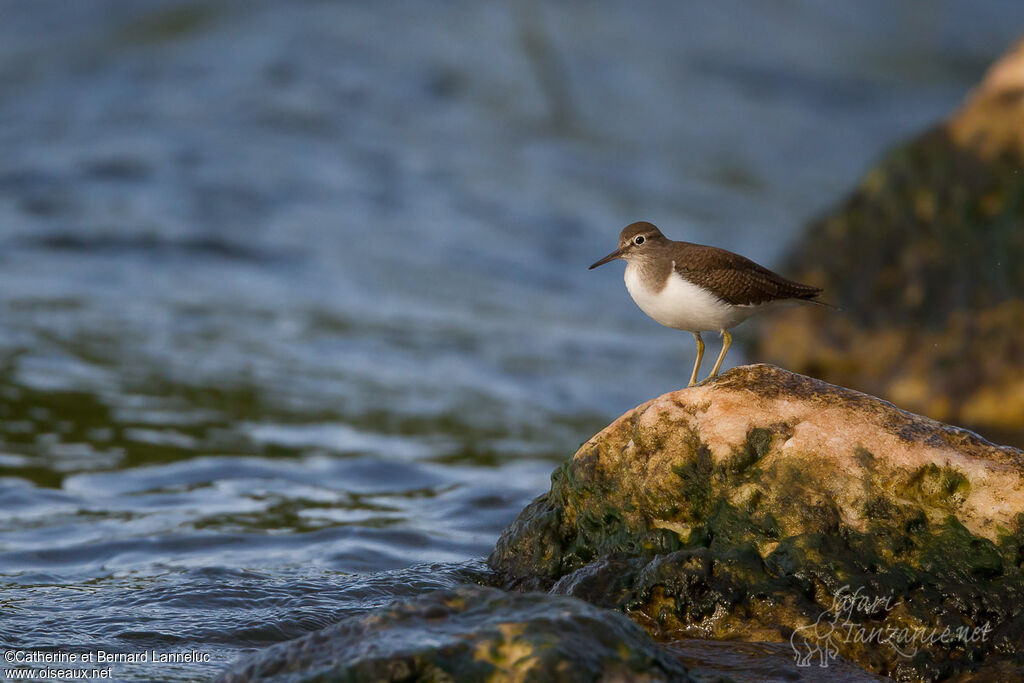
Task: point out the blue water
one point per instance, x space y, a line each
294 308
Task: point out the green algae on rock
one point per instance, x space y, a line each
470 633
925 259
743 507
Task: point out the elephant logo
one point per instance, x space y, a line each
816 640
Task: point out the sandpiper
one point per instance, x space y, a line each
697 288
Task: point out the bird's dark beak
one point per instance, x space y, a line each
610 257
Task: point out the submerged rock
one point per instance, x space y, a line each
770 506
470 634
925 260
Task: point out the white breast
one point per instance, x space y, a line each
683 305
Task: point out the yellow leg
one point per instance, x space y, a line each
700 357
726 343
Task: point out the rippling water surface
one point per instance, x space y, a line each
294 309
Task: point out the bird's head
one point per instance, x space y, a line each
635 241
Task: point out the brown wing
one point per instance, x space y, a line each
736 279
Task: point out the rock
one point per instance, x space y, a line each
925 260
760 505
717 661
470 634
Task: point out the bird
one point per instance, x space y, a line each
698 288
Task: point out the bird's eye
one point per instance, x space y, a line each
638 240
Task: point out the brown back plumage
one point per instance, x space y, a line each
733 278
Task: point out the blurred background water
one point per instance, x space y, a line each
294 308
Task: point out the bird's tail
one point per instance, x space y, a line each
818 302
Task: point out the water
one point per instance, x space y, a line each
294 309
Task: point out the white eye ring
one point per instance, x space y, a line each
638 240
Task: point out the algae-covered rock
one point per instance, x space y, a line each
470 634
925 260
769 506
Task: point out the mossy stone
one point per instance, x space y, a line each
744 507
